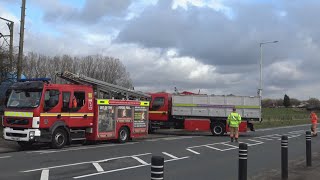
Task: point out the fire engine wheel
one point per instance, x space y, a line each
123 135
218 129
59 138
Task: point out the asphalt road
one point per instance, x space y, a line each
187 157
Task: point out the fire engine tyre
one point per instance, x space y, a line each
218 129
59 138
123 135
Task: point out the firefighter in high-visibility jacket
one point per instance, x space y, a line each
234 120
314 122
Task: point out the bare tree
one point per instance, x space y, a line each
104 68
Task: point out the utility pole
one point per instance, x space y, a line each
23 14
10 25
260 88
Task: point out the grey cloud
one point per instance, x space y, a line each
232 45
91 13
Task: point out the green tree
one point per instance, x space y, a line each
286 101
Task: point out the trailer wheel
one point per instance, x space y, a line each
123 135
59 138
218 129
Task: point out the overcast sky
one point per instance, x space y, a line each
211 45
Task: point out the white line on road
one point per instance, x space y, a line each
170 155
89 147
295 132
229 145
74 164
126 168
98 167
140 160
268 139
257 142
213 148
3 157
171 138
286 127
45 174
195 152
207 144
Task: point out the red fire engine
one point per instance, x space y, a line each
39 111
200 112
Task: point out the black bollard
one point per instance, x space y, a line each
308 148
157 168
284 157
243 157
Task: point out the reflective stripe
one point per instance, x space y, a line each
156 178
216 106
157 112
125 102
18 114
103 101
66 114
144 103
247 107
157 166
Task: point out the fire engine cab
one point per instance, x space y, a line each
86 109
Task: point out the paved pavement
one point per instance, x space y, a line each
187 156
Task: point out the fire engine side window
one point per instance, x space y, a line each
66 100
158 102
80 97
51 98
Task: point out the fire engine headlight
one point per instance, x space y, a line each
31 134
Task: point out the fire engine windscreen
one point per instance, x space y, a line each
24 98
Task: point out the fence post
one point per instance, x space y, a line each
157 168
243 157
284 157
308 148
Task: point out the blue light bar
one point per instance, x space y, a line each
35 79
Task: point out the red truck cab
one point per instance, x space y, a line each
38 111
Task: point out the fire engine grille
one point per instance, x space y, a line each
16 135
18 121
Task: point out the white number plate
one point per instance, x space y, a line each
15 138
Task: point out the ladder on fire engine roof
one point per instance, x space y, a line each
102 86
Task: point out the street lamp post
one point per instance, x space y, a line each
260 88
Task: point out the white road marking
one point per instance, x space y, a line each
98 167
170 155
41 151
3 157
286 127
195 152
229 145
171 138
207 144
126 168
74 164
45 174
140 160
213 148
264 138
257 142
84 148
295 132
175 138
